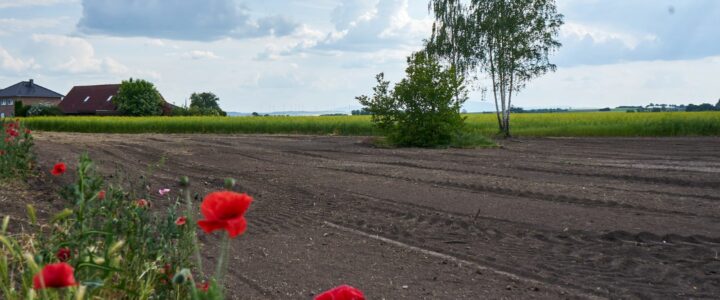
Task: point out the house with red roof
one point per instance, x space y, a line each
90 100
96 100
27 92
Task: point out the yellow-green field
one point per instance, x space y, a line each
554 124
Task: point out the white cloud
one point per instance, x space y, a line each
599 35
8 62
385 25
361 26
350 12
402 25
74 55
67 54
200 54
23 3
11 25
305 37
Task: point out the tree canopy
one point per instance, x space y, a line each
423 109
509 40
205 101
205 104
138 98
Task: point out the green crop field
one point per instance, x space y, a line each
551 124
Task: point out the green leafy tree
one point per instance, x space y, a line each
423 109
509 40
138 98
206 102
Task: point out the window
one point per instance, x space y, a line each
86 99
110 98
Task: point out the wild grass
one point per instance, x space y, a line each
597 124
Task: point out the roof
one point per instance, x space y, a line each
28 89
89 99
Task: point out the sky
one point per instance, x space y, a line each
283 55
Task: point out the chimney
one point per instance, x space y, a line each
30 83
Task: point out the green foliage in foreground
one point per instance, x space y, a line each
16 159
554 124
117 248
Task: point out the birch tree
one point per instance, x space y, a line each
508 40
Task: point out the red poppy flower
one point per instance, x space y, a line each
11 132
142 203
101 195
343 292
2 152
203 286
58 169
63 254
180 221
57 275
225 210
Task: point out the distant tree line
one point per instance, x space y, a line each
360 112
703 107
672 107
520 110
648 108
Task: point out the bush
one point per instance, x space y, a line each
205 104
43 110
196 111
20 109
423 109
16 157
138 98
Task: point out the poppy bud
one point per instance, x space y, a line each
230 183
182 276
184 181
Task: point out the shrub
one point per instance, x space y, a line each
20 109
16 157
196 111
423 109
43 110
138 98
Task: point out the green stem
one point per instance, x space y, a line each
190 215
220 268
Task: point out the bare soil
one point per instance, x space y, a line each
536 218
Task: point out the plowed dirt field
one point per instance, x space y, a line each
536 218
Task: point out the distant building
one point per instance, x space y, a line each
90 100
96 100
27 92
